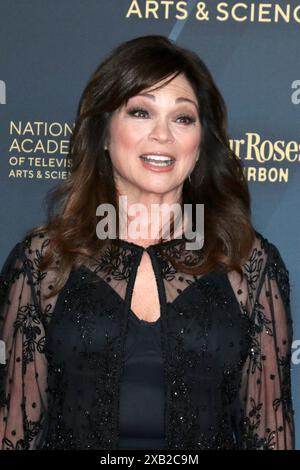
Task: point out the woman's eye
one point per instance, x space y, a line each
134 111
187 118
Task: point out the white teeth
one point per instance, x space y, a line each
159 158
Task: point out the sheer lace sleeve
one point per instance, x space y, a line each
22 330
266 413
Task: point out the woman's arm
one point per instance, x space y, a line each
24 375
266 403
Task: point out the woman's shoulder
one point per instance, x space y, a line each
264 259
265 250
29 250
262 265
35 243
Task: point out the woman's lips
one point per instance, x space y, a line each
152 166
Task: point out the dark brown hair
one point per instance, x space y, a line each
217 179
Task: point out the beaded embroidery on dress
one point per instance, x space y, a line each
226 350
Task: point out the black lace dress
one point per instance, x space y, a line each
81 370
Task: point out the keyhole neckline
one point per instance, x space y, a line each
161 244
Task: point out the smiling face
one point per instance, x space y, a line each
164 121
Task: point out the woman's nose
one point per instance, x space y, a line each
161 131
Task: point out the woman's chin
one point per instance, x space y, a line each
160 189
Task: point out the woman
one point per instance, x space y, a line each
128 343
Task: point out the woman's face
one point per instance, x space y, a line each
167 122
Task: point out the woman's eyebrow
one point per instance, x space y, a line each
178 100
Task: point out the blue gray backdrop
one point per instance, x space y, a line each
48 50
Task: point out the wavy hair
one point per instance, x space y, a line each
217 180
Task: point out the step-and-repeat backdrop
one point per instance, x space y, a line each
50 48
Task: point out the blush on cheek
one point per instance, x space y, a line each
127 139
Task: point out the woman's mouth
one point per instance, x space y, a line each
158 161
